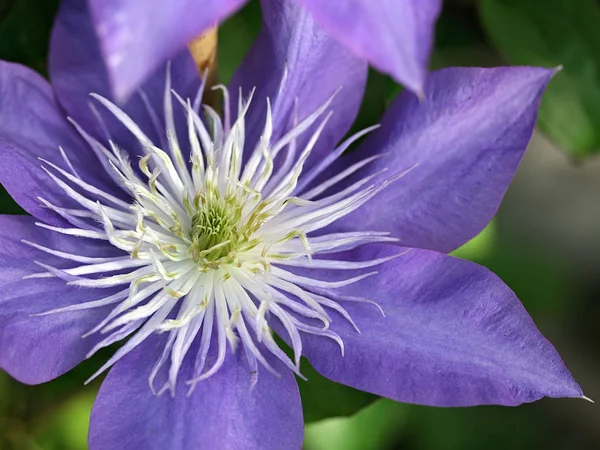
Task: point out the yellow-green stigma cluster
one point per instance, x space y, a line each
215 233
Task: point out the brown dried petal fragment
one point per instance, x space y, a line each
204 52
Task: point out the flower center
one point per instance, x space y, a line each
215 232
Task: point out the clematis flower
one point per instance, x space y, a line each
193 239
395 36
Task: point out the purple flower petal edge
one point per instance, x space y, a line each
291 42
453 335
395 36
137 37
32 127
461 144
77 69
33 348
223 412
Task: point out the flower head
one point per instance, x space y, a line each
193 239
207 240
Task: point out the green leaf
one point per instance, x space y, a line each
480 246
375 427
67 427
323 398
553 33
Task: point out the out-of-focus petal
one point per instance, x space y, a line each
33 348
136 38
317 66
453 335
463 141
77 69
33 127
395 36
223 412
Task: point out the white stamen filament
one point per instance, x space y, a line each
207 242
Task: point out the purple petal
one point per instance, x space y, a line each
317 67
137 37
36 349
77 69
223 412
34 127
466 138
395 36
453 335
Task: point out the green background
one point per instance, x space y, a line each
544 242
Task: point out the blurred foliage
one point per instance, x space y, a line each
552 33
387 425
24 29
236 36
322 398
55 416
377 426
